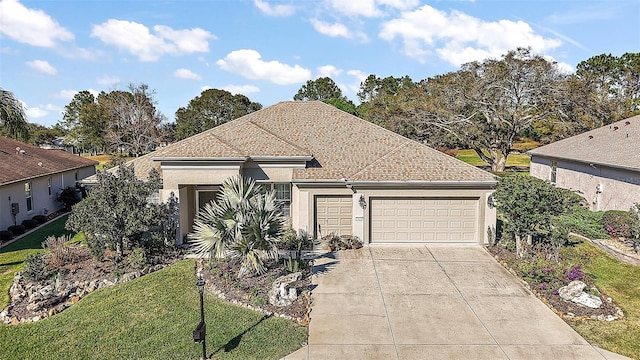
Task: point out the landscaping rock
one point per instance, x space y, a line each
281 294
588 300
572 290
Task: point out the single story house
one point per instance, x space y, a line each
332 173
602 165
32 177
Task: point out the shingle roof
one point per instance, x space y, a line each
31 161
343 146
614 145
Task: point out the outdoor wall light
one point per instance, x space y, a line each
362 202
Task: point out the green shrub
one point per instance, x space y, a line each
584 222
35 267
617 223
137 259
41 219
29 224
17 229
6 235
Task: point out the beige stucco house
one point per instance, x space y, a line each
602 165
32 177
332 173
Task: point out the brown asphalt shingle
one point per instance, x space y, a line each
613 145
33 161
343 146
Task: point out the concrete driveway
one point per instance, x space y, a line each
431 303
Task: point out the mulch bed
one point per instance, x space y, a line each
565 309
253 291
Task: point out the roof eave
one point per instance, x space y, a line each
403 183
200 159
587 162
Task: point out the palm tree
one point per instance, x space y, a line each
13 120
243 223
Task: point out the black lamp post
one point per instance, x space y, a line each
200 333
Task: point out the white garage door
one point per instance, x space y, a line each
333 215
422 220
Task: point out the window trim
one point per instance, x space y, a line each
28 195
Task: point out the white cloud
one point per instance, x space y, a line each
138 40
278 10
33 27
67 94
337 30
400 4
366 8
248 63
108 80
186 74
328 70
42 66
459 38
241 89
359 75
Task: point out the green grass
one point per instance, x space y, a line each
622 283
12 256
152 317
470 157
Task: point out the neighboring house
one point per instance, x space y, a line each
602 165
31 178
332 173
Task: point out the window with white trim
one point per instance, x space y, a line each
28 196
283 196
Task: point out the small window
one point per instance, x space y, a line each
49 186
554 169
28 197
283 197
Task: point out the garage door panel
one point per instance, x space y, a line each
334 214
424 220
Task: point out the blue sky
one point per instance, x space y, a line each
268 49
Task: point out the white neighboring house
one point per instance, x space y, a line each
602 165
332 173
32 177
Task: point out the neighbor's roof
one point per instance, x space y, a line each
20 161
343 146
614 145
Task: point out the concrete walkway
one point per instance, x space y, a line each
431 303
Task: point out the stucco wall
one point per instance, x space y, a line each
604 188
42 201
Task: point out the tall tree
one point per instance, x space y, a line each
382 100
211 108
326 90
488 104
13 120
85 121
133 119
39 134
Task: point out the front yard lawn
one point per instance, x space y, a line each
152 317
621 282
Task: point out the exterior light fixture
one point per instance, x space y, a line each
362 202
200 333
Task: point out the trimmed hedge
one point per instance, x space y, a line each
29 224
41 219
6 235
584 222
17 229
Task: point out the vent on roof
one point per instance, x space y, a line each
627 123
590 137
615 128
